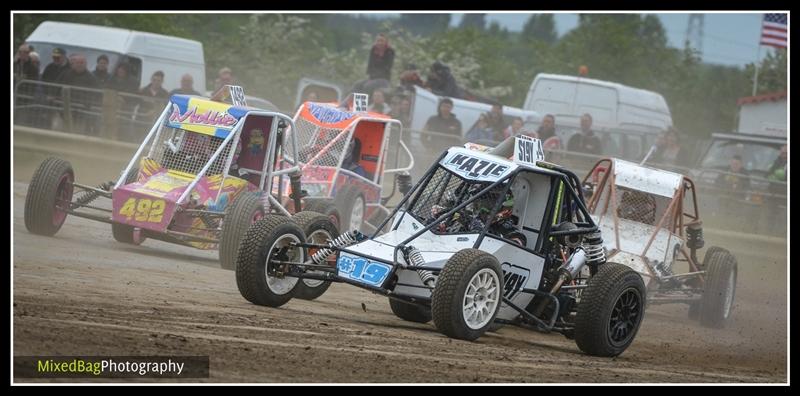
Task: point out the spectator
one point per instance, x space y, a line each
122 80
548 127
381 59
585 141
35 61
516 129
779 171
77 74
445 121
735 177
480 132
187 86
101 70
410 77
59 65
312 96
23 64
402 112
379 103
83 102
441 81
495 118
668 150
224 77
154 89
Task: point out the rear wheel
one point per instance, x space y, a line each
49 197
324 206
467 295
410 312
611 310
318 229
720 280
245 210
266 240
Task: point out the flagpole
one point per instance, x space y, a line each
755 79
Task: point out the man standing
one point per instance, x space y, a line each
77 74
444 121
548 127
59 65
586 141
187 86
154 89
101 70
24 68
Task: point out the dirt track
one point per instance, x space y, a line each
81 292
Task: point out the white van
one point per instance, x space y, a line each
144 52
628 118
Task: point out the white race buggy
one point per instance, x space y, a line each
481 239
650 222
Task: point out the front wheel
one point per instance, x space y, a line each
49 197
611 310
318 229
268 239
716 304
467 295
245 210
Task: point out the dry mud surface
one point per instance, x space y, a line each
82 293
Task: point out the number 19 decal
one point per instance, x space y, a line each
363 270
144 209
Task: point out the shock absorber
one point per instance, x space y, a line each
694 238
414 258
404 182
343 240
88 196
593 245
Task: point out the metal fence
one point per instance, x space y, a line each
92 112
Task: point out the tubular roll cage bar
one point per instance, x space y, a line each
267 172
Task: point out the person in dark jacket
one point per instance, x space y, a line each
381 59
445 121
24 68
122 80
77 74
155 89
59 65
548 127
586 141
187 86
441 82
101 70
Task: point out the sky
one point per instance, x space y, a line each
729 38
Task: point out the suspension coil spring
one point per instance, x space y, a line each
414 258
694 237
344 240
593 245
404 183
88 196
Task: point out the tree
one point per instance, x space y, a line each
540 27
425 24
771 73
477 21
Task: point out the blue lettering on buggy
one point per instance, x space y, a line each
362 270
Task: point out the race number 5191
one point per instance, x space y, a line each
143 209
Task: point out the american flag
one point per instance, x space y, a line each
773 30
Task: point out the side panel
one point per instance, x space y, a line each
521 269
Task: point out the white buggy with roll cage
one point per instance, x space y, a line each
651 223
481 239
